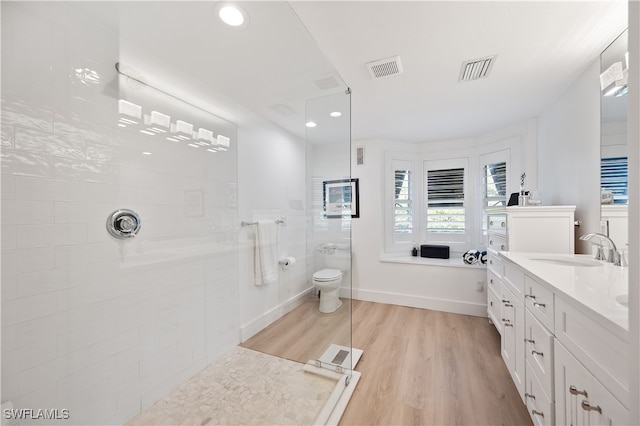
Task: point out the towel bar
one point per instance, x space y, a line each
279 222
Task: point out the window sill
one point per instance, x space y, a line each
453 262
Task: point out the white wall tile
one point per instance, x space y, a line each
26 164
28 188
111 193
9 286
8 190
48 143
26 212
29 236
9 339
28 260
7 137
22 115
28 308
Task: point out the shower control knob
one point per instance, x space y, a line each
123 224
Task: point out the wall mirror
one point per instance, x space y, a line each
614 63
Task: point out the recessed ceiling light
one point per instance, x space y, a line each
231 14
310 124
335 114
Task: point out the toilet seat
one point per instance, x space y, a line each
325 275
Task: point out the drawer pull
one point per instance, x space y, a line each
530 341
537 353
528 395
507 323
539 305
490 242
508 305
588 407
503 224
490 222
491 280
506 301
501 246
491 262
530 296
574 391
537 413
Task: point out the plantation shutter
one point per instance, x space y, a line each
445 201
614 176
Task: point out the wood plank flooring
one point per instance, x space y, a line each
419 367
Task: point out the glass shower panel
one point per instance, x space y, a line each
96 328
334 203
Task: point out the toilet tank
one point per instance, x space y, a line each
337 256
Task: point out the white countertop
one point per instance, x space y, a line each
594 287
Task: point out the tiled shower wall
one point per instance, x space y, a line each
99 327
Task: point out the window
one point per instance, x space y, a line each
446 200
403 197
614 177
494 184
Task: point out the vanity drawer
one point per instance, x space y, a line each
497 242
600 347
539 352
497 223
541 408
495 264
494 282
513 278
539 301
494 308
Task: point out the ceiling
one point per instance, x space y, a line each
272 66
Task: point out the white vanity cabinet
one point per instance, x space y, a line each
543 229
574 360
496 241
581 398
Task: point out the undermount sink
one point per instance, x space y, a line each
568 261
623 299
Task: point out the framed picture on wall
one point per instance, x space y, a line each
341 198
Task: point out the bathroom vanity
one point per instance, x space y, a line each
563 321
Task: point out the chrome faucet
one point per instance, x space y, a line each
613 255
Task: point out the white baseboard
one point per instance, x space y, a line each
255 326
453 306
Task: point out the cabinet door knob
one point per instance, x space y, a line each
490 242
501 246
588 407
490 222
574 391
503 224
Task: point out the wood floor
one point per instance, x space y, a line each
419 367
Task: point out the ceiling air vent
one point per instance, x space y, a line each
477 68
385 67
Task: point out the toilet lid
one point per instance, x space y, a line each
327 275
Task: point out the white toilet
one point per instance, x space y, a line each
328 280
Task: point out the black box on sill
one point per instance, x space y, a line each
434 251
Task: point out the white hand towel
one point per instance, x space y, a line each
265 256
